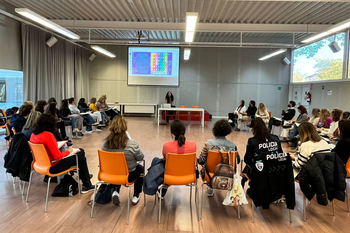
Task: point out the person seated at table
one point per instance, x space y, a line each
178 146
102 106
286 116
248 115
73 108
118 141
310 141
325 119
342 147
221 129
169 99
60 161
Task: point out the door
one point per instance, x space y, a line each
296 95
304 90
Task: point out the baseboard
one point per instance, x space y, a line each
219 117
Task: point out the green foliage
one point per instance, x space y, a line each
298 76
328 69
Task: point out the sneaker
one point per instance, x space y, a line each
210 192
135 199
99 130
74 136
89 131
163 193
76 130
230 121
236 129
101 124
94 124
80 134
87 189
116 198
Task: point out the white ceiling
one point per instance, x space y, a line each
221 22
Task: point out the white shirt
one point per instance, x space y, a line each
74 109
333 127
240 112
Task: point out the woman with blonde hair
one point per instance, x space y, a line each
310 142
262 113
315 118
28 128
118 141
325 119
335 115
102 106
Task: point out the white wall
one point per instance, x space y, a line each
214 78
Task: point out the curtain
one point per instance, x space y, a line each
61 71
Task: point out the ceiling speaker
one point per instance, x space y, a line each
286 61
92 57
50 42
334 47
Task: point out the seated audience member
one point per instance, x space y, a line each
51 110
325 119
73 108
31 104
43 134
315 116
335 115
344 116
178 146
77 120
342 147
310 142
118 141
41 106
287 116
30 124
92 106
262 113
83 107
261 142
301 119
237 114
220 130
102 106
20 119
248 115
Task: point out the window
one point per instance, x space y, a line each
11 88
316 62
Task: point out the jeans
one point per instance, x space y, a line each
64 164
135 175
90 120
294 132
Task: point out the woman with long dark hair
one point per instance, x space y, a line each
342 147
43 134
237 114
169 99
118 141
77 120
301 119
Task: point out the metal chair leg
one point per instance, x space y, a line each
160 205
127 222
252 211
93 200
333 206
239 212
79 185
155 199
347 197
191 194
201 200
47 193
30 181
24 186
304 209
196 202
290 216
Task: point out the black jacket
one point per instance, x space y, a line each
271 177
17 121
251 111
289 114
323 175
65 112
342 149
18 159
84 108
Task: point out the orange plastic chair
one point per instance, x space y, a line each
180 169
14 130
3 114
347 168
183 115
270 114
213 159
41 164
195 114
114 170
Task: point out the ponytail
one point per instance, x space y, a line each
181 140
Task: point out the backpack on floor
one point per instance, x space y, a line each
104 194
223 174
66 188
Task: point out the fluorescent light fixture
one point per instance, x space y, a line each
101 50
272 54
189 36
315 37
47 23
187 53
191 21
339 26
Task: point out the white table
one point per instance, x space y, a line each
184 110
138 108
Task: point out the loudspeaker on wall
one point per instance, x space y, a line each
92 57
286 61
334 47
50 42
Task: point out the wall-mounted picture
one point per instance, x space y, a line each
2 92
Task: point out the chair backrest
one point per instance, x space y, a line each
180 164
214 158
195 113
3 115
113 167
183 113
347 168
270 114
41 162
183 106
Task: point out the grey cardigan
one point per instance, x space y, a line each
302 118
132 153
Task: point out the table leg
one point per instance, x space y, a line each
158 115
202 119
